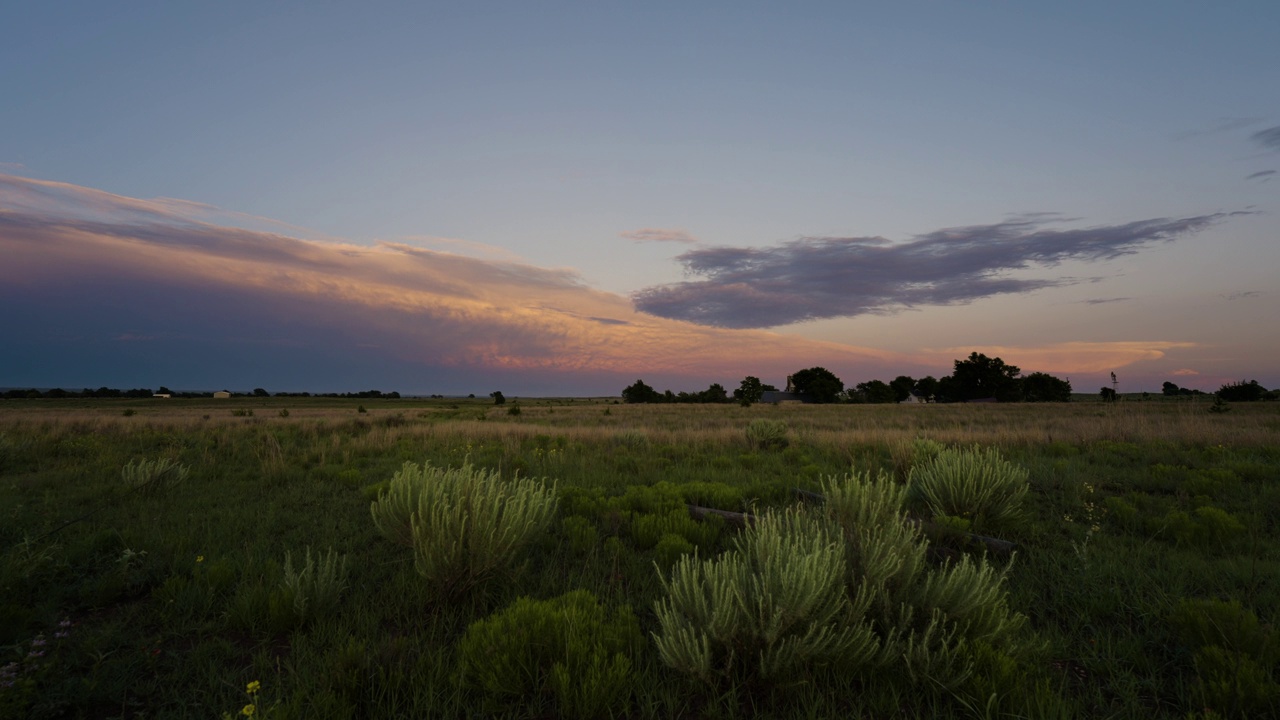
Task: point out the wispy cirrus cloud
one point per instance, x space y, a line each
1184 372
674 235
1264 175
829 277
1104 301
1242 295
1268 139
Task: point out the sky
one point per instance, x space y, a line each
560 198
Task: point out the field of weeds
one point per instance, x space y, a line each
277 557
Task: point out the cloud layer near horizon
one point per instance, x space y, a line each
829 277
101 269
125 290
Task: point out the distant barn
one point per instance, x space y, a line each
222 394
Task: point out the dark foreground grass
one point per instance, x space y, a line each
1150 568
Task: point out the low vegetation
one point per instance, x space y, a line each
167 562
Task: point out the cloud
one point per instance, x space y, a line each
1071 357
1269 139
1222 126
826 277
85 270
1185 372
658 235
1242 295
1104 301
1261 174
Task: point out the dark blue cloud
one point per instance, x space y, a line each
815 278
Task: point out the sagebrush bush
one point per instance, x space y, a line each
310 591
465 525
972 483
570 649
764 434
148 477
928 618
1235 655
770 608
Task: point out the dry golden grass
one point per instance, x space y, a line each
592 422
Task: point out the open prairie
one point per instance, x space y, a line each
195 558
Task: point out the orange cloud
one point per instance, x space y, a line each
1071 357
420 306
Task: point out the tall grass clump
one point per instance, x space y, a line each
975 484
769 608
149 477
570 650
764 434
310 591
465 525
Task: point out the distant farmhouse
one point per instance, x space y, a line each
222 394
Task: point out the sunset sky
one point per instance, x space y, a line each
559 198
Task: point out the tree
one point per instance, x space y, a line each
903 386
714 394
639 392
927 388
1241 391
982 377
1169 388
259 392
818 383
1043 387
498 397
749 391
876 392
1108 394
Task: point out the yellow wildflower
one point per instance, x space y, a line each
248 710
254 687
199 558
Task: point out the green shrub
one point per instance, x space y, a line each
1211 482
579 534
1235 655
630 438
975 484
648 529
1204 525
1122 513
570 649
464 525
148 477
765 434
671 548
129 412
770 608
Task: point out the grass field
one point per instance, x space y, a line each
1148 572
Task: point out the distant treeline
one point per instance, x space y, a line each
977 378
106 392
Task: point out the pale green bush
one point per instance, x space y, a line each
310 591
769 608
928 617
148 477
465 525
971 483
764 434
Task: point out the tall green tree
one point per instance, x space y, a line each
749 391
818 384
1043 387
982 377
639 392
903 386
876 392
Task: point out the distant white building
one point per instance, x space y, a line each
162 395
222 394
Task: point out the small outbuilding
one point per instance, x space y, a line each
222 394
